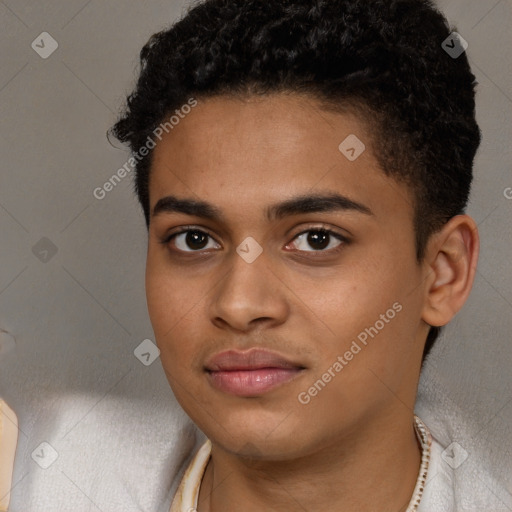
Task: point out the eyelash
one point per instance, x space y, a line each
323 230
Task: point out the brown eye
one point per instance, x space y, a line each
195 239
190 240
320 240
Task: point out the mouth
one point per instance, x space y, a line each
250 373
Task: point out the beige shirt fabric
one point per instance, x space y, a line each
8 443
437 495
187 494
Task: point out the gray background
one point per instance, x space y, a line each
78 317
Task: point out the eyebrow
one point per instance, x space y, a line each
308 203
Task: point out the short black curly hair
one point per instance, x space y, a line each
381 59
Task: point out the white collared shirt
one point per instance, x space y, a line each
438 494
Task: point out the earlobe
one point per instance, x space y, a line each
452 255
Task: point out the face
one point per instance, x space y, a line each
316 304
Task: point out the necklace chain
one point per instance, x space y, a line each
425 440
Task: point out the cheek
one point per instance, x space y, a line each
376 301
175 312
159 300
166 293
167 304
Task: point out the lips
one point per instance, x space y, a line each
253 359
251 373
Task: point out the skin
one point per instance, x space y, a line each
353 445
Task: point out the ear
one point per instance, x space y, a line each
450 266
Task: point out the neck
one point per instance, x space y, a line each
376 467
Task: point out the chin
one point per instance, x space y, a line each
256 434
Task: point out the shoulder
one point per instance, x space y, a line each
457 480
439 492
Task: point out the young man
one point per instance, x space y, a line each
303 167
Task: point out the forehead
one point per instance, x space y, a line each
250 151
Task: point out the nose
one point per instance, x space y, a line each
249 295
